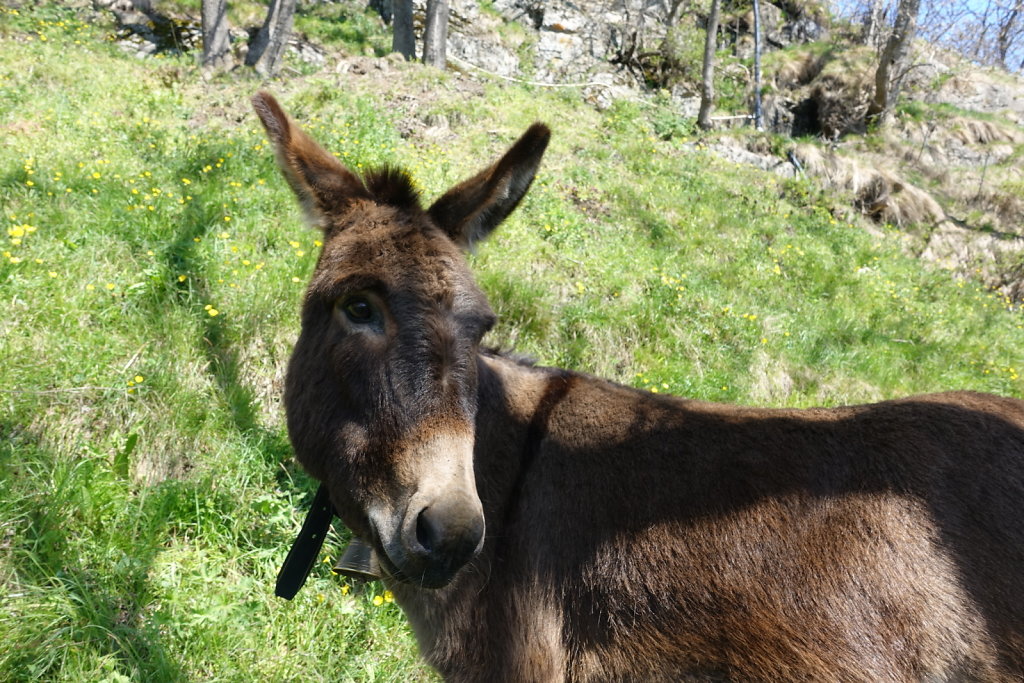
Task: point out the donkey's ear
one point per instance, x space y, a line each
323 186
472 209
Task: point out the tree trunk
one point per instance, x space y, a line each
435 34
873 19
707 86
402 39
1008 32
889 75
383 8
216 40
758 113
674 10
267 48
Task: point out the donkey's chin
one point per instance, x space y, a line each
431 576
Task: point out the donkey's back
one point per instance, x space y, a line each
681 539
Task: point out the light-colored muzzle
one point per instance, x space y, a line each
436 524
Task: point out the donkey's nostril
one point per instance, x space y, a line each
439 539
427 531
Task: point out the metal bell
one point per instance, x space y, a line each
359 561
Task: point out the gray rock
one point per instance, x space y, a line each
765 162
481 53
804 30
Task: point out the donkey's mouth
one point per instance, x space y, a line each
362 562
428 577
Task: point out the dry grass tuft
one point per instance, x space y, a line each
992 259
771 381
977 132
879 193
997 201
800 69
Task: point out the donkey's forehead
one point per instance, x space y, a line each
398 249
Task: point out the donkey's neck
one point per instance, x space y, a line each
515 405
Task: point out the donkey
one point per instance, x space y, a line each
540 524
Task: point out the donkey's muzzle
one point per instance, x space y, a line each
440 538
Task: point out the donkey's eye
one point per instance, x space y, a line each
358 310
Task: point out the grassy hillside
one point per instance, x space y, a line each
151 273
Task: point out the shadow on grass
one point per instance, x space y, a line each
68 598
198 223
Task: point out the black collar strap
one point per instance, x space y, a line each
306 547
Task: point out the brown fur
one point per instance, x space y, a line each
632 536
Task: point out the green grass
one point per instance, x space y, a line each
360 29
923 111
147 490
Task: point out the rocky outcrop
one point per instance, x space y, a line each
994 259
779 28
144 32
474 38
574 41
945 78
586 41
733 150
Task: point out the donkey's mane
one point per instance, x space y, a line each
508 354
392 186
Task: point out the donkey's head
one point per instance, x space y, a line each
381 393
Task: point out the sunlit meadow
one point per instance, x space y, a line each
153 264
